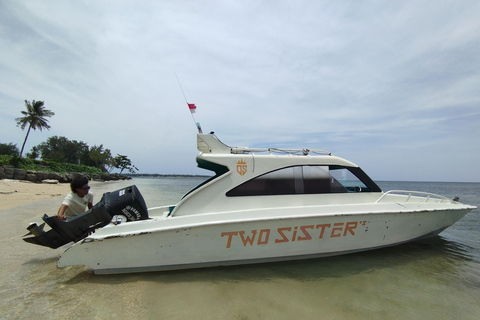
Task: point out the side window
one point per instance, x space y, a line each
316 179
301 180
272 183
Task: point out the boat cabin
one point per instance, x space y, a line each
271 176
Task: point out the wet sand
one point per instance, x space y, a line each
31 284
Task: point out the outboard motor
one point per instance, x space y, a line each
127 202
123 205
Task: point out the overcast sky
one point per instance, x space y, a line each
393 86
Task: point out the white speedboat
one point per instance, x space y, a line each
264 205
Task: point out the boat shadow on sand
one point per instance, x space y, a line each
435 255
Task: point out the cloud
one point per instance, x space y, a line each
368 81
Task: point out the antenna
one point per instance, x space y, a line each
191 106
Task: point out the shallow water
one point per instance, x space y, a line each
438 278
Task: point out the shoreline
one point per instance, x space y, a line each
14 193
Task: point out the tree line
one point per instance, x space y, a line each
61 149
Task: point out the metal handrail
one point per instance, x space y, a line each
304 152
426 195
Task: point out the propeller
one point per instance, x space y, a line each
34 229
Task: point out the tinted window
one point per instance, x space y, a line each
302 180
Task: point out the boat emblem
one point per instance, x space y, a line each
241 167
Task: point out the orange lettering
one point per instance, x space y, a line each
294 233
349 228
247 239
284 238
334 233
305 232
263 233
339 229
322 228
230 236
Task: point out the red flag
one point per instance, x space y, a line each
192 107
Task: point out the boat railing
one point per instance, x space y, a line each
418 195
302 152
168 209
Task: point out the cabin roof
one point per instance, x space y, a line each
217 156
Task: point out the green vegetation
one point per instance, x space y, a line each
47 166
35 117
122 162
59 154
62 150
8 149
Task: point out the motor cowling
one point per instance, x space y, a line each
128 202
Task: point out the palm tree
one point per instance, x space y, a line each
34 117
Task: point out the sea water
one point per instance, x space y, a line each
438 278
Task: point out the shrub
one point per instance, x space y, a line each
49 166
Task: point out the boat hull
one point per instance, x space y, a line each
176 243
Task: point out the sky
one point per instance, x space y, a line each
393 86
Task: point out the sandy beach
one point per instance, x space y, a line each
403 282
31 284
14 193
